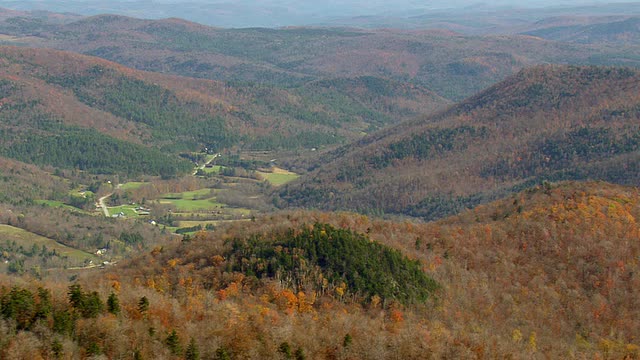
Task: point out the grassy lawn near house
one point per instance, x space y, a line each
127 210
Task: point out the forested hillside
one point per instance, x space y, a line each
550 272
545 123
88 107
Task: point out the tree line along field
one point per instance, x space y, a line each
22 251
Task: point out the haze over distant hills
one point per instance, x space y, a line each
451 65
274 13
483 19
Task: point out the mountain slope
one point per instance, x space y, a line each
549 122
98 107
21 183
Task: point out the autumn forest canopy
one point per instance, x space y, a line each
465 186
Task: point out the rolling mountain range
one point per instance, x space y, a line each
491 19
622 30
526 175
309 87
544 123
470 16
451 65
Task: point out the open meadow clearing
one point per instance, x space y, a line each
278 176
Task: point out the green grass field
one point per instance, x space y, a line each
132 185
279 179
212 170
201 199
188 195
186 205
28 239
127 210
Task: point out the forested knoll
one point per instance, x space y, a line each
544 123
550 272
451 65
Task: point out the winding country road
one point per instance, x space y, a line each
103 205
101 200
195 171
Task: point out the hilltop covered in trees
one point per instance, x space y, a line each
548 272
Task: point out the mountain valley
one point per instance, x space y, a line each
466 190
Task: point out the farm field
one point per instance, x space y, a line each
28 239
278 176
230 200
132 185
215 169
186 205
192 195
202 204
197 200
